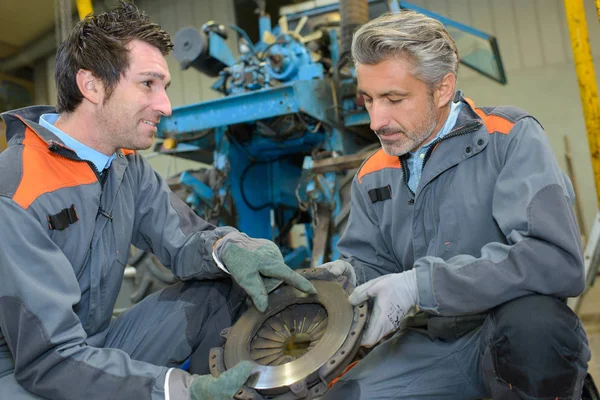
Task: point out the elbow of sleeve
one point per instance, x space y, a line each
575 280
579 280
579 283
575 288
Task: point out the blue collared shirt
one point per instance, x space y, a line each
415 158
100 161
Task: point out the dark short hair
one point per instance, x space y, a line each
98 44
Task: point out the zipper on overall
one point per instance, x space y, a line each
459 132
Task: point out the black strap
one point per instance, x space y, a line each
445 328
380 194
63 219
452 328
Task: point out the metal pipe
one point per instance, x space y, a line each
353 13
84 7
2 136
586 77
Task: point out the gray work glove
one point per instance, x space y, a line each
207 387
341 268
395 295
251 262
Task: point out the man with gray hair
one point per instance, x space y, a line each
464 216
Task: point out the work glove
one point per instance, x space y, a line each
394 296
341 268
207 387
252 262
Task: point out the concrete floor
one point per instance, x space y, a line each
590 315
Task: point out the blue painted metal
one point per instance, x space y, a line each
218 49
298 257
254 222
240 72
318 10
311 97
245 36
182 148
264 25
202 191
394 6
262 148
291 60
291 55
333 47
310 71
280 110
357 118
186 365
263 172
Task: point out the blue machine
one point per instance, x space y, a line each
289 132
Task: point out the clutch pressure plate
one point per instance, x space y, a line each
299 344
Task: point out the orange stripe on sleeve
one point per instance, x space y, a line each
378 161
493 123
44 171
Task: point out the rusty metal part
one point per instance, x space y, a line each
299 344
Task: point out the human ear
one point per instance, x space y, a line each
445 90
90 86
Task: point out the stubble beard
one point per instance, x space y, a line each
411 140
119 130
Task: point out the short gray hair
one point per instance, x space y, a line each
423 40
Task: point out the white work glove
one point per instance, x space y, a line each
341 268
395 295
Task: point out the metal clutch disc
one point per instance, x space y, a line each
299 344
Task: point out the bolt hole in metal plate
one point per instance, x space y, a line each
300 342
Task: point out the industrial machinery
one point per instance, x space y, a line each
287 135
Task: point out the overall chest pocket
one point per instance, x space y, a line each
122 238
107 267
119 236
445 243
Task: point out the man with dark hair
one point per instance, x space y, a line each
465 216
74 196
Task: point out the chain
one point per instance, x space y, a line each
302 205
